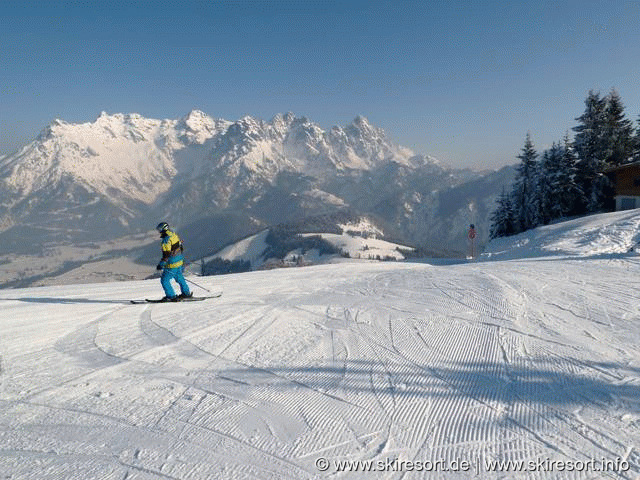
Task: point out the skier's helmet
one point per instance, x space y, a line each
162 227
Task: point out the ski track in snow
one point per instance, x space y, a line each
513 360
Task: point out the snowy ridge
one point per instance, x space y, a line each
290 143
124 168
293 372
364 248
253 250
363 228
601 234
127 153
250 249
358 240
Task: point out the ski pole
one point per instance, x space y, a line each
199 286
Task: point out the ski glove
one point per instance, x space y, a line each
160 266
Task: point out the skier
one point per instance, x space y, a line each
172 264
471 234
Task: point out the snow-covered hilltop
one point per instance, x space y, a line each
296 245
606 235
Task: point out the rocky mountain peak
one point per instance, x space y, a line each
361 122
198 127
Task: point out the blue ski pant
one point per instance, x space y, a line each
169 274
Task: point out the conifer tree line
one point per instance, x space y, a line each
569 179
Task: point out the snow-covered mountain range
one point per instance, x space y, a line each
123 173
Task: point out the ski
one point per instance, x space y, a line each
188 299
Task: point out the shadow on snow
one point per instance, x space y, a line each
537 382
63 301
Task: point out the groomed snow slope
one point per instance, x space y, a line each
535 360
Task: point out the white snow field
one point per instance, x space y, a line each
352 370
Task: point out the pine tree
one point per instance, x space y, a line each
604 138
557 191
589 144
503 218
571 195
619 140
636 144
525 195
549 179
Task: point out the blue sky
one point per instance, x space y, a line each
461 80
